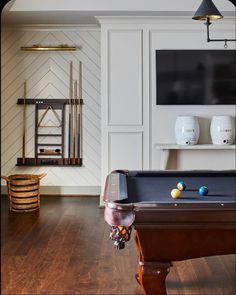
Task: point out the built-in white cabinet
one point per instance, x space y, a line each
131 122
124 108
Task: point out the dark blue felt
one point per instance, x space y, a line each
141 188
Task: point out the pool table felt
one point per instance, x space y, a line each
143 189
155 187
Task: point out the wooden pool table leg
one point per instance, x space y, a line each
152 276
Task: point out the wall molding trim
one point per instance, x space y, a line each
141 20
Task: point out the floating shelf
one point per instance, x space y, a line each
165 149
39 47
49 101
49 162
210 146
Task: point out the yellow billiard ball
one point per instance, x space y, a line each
175 193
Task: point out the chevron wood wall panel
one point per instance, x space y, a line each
47 75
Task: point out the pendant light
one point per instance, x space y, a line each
208 11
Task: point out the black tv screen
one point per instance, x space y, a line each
195 77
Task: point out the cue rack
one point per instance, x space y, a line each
51 128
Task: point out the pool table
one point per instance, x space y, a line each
167 229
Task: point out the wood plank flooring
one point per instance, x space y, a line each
65 249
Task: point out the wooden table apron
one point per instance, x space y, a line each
159 247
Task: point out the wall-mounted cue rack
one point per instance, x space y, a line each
49 146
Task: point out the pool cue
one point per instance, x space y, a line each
80 112
24 123
79 109
70 109
74 120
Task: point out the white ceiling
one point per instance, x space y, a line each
83 11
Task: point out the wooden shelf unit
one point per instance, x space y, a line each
49 158
49 162
45 106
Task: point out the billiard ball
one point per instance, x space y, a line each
203 191
175 193
181 186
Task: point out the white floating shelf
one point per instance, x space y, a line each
173 146
166 147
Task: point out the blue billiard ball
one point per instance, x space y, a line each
181 186
203 191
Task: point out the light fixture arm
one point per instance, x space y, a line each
208 23
208 11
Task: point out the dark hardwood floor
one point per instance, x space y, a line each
65 249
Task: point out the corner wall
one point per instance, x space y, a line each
47 75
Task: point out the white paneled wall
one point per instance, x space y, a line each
47 75
125 77
129 152
121 126
132 123
125 106
184 35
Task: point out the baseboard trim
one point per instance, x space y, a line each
64 190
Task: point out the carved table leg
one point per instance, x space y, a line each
152 275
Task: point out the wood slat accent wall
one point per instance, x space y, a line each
47 74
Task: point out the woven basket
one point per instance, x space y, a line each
23 191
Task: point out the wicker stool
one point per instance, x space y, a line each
23 191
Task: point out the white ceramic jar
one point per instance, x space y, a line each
187 130
222 130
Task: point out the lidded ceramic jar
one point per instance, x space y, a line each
222 130
187 130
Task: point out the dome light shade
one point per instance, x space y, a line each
207 9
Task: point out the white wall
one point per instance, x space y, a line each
159 121
181 35
47 75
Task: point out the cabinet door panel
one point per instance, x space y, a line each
125 150
125 77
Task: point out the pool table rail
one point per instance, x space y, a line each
175 214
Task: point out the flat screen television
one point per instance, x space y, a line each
195 77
